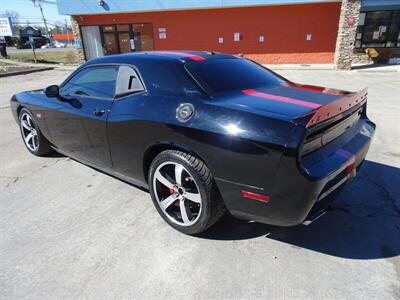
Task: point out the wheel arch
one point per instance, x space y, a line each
19 108
155 149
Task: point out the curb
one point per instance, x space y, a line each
23 72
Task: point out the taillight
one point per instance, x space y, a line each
327 135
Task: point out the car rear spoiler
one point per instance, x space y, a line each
333 110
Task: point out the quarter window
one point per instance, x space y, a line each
128 82
93 81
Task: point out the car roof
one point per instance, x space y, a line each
177 56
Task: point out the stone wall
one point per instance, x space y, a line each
360 58
348 21
77 36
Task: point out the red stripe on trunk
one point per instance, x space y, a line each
254 93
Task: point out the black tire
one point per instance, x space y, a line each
42 145
212 206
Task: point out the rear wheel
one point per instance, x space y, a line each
33 139
184 192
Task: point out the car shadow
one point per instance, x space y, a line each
54 154
371 66
363 222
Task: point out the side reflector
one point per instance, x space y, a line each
255 196
350 169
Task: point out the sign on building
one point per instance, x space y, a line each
6 28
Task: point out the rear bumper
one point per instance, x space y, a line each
299 187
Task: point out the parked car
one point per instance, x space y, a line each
25 43
55 44
204 132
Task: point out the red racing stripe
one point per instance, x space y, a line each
184 54
254 93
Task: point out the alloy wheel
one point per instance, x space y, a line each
177 193
29 132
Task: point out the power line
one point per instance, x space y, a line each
41 11
25 2
48 2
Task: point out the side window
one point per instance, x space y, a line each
170 79
128 82
93 81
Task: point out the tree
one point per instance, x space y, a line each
14 15
58 27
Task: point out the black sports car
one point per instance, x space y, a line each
204 132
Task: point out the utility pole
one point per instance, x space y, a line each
66 29
44 19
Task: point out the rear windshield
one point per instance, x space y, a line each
222 75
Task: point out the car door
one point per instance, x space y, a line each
79 125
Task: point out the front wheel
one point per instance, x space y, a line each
33 139
184 192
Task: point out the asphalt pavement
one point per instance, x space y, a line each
68 231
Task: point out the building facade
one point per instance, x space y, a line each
285 31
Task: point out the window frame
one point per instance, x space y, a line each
114 97
69 78
139 76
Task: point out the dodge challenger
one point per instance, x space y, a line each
205 133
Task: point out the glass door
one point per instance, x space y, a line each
124 38
92 41
143 36
124 43
110 40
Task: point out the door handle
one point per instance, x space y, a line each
99 112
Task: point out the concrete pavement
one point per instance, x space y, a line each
68 231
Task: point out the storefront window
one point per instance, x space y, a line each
393 36
124 38
378 29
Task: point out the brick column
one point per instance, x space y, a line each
77 36
348 21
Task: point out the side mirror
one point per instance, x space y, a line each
52 91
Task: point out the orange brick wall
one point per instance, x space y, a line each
284 28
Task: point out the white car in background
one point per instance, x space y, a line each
55 44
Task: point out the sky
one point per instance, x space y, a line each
27 11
